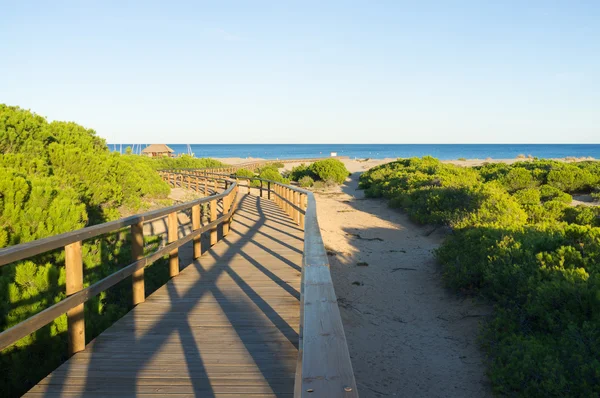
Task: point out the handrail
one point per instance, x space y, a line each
29 249
71 241
324 368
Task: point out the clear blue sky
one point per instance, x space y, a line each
308 71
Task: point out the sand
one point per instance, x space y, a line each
365 164
407 334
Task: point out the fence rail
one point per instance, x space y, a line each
72 242
324 368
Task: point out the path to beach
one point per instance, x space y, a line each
407 335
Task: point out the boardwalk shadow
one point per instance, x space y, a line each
226 325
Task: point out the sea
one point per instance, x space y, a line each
378 151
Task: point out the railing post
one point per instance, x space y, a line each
196 225
172 236
213 217
226 205
215 185
287 198
269 190
281 202
295 210
205 186
197 184
74 283
137 252
300 214
261 188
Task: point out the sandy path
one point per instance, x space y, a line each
407 335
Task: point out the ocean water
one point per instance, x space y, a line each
380 151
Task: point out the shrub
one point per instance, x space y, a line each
182 162
569 178
522 251
548 192
244 173
517 178
300 171
319 185
543 339
330 169
54 178
306 182
582 215
272 174
277 165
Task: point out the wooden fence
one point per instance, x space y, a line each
324 368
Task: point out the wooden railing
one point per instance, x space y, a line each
324 367
77 295
254 165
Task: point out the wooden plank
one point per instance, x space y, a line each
228 320
173 235
326 366
74 283
137 252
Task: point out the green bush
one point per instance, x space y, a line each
183 162
273 174
544 338
570 178
306 182
54 178
244 173
298 172
330 169
583 215
516 241
518 178
277 165
319 185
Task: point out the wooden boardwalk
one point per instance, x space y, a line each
226 326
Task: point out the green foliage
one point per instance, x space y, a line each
570 178
300 171
244 173
54 178
518 243
329 169
583 215
306 182
247 173
60 156
518 178
544 337
182 162
277 165
270 173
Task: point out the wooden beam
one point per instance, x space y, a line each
74 283
172 236
137 252
196 225
213 217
